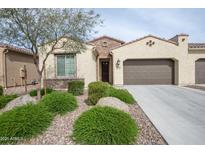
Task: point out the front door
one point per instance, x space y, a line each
105 71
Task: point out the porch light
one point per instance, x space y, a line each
118 63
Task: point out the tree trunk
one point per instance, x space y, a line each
44 82
38 88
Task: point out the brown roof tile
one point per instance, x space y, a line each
196 45
17 49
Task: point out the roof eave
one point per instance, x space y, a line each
168 41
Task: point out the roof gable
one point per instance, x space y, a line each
145 37
108 37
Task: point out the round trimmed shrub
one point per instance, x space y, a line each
98 87
76 87
23 123
93 99
34 92
105 125
97 90
60 102
122 94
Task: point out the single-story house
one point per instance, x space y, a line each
14 62
147 60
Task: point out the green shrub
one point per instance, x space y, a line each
60 102
1 91
105 125
76 87
97 90
24 122
93 99
98 87
34 92
6 99
121 94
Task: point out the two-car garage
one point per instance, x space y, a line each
152 60
156 71
148 71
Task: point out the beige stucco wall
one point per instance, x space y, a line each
1 66
184 60
85 63
14 62
86 66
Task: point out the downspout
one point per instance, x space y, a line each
97 68
112 66
4 67
97 61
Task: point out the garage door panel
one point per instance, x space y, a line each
200 71
148 71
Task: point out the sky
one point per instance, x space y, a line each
130 24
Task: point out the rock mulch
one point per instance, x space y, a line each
113 102
148 134
61 129
19 101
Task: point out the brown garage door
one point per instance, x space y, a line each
200 71
152 71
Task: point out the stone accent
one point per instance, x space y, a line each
113 102
20 101
59 83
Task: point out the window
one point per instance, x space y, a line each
66 66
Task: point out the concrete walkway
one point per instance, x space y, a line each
178 113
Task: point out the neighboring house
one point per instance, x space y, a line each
148 60
13 62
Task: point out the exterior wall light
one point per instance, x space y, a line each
118 63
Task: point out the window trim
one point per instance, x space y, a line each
75 65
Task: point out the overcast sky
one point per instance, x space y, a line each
130 24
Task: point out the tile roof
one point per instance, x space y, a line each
17 49
196 45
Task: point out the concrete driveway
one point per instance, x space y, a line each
178 113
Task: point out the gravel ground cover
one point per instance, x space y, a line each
61 129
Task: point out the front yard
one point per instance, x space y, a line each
65 120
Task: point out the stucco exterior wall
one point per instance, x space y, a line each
184 60
15 61
1 66
85 65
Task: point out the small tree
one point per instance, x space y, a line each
35 29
